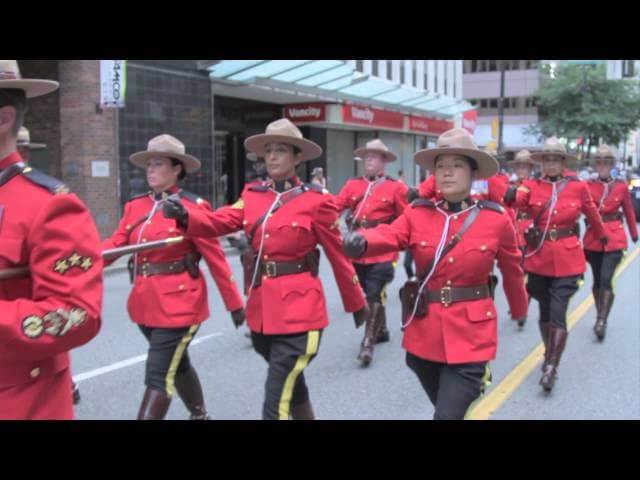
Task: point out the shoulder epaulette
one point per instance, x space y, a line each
258 188
572 178
191 196
141 195
422 202
391 178
52 184
486 204
313 187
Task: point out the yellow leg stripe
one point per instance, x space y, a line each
287 392
485 385
175 361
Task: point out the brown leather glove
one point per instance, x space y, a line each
354 245
238 317
361 315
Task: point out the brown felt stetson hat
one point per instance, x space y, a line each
552 146
283 131
168 147
377 146
10 78
24 140
605 152
458 141
522 157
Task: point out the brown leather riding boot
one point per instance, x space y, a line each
154 406
383 332
302 411
544 333
596 299
190 391
606 302
371 328
557 343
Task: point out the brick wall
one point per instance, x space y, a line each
88 134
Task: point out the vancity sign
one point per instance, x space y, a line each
470 120
306 112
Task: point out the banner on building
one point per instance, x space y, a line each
113 83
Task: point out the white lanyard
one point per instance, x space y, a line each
364 199
441 246
156 205
554 201
605 193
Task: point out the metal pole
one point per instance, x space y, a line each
501 107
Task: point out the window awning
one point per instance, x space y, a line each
335 79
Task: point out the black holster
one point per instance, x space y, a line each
130 267
408 295
493 283
313 260
533 236
191 261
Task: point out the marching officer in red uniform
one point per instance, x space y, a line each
554 259
609 195
449 317
169 296
523 167
374 199
284 220
57 307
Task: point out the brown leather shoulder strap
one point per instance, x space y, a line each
280 204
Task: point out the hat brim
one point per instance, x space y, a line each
32 146
258 145
610 159
191 164
32 88
487 165
537 156
388 156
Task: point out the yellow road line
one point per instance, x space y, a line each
498 395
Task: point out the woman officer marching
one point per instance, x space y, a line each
450 321
169 296
285 220
554 260
609 195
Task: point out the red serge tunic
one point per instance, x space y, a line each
464 331
386 200
609 197
58 306
172 300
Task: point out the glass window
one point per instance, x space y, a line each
360 65
493 103
492 66
483 103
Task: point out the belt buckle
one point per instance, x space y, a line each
144 270
270 269
553 235
445 296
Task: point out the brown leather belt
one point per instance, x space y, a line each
149 269
523 216
373 223
558 233
447 295
612 217
278 269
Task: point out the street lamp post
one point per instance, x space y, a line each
501 107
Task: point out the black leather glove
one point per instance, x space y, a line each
510 195
361 315
412 194
173 208
604 240
354 245
521 321
238 317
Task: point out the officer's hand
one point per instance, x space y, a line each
634 239
354 245
361 315
173 208
604 240
412 194
238 317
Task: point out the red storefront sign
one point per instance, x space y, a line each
373 117
429 125
470 120
305 112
